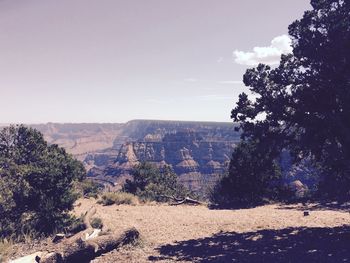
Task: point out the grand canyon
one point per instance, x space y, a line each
198 152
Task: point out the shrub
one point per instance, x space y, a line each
96 222
36 183
89 188
75 225
152 183
118 198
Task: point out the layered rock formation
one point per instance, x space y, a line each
197 161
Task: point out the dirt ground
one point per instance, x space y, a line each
271 233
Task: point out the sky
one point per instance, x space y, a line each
118 60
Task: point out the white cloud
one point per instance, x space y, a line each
268 55
231 82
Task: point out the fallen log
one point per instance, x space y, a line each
85 251
87 217
95 233
82 247
180 201
85 228
109 242
188 200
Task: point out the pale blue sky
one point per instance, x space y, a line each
114 60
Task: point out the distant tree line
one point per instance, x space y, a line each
302 105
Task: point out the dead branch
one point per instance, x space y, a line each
109 242
87 217
187 200
171 197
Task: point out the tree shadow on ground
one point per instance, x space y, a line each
286 245
319 206
235 206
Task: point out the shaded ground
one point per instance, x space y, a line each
286 245
271 233
324 206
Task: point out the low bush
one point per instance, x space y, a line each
75 225
89 188
96 222
151 183
118 198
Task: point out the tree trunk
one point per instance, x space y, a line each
84 246
85 251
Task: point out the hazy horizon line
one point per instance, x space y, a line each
165 120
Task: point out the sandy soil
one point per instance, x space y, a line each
271 233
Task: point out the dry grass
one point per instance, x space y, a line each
118 198
5 249
13 248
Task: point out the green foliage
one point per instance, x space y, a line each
89 188
305 100
96 222
36 182
253 176
118 198
152 183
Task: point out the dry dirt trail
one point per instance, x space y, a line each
271 233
